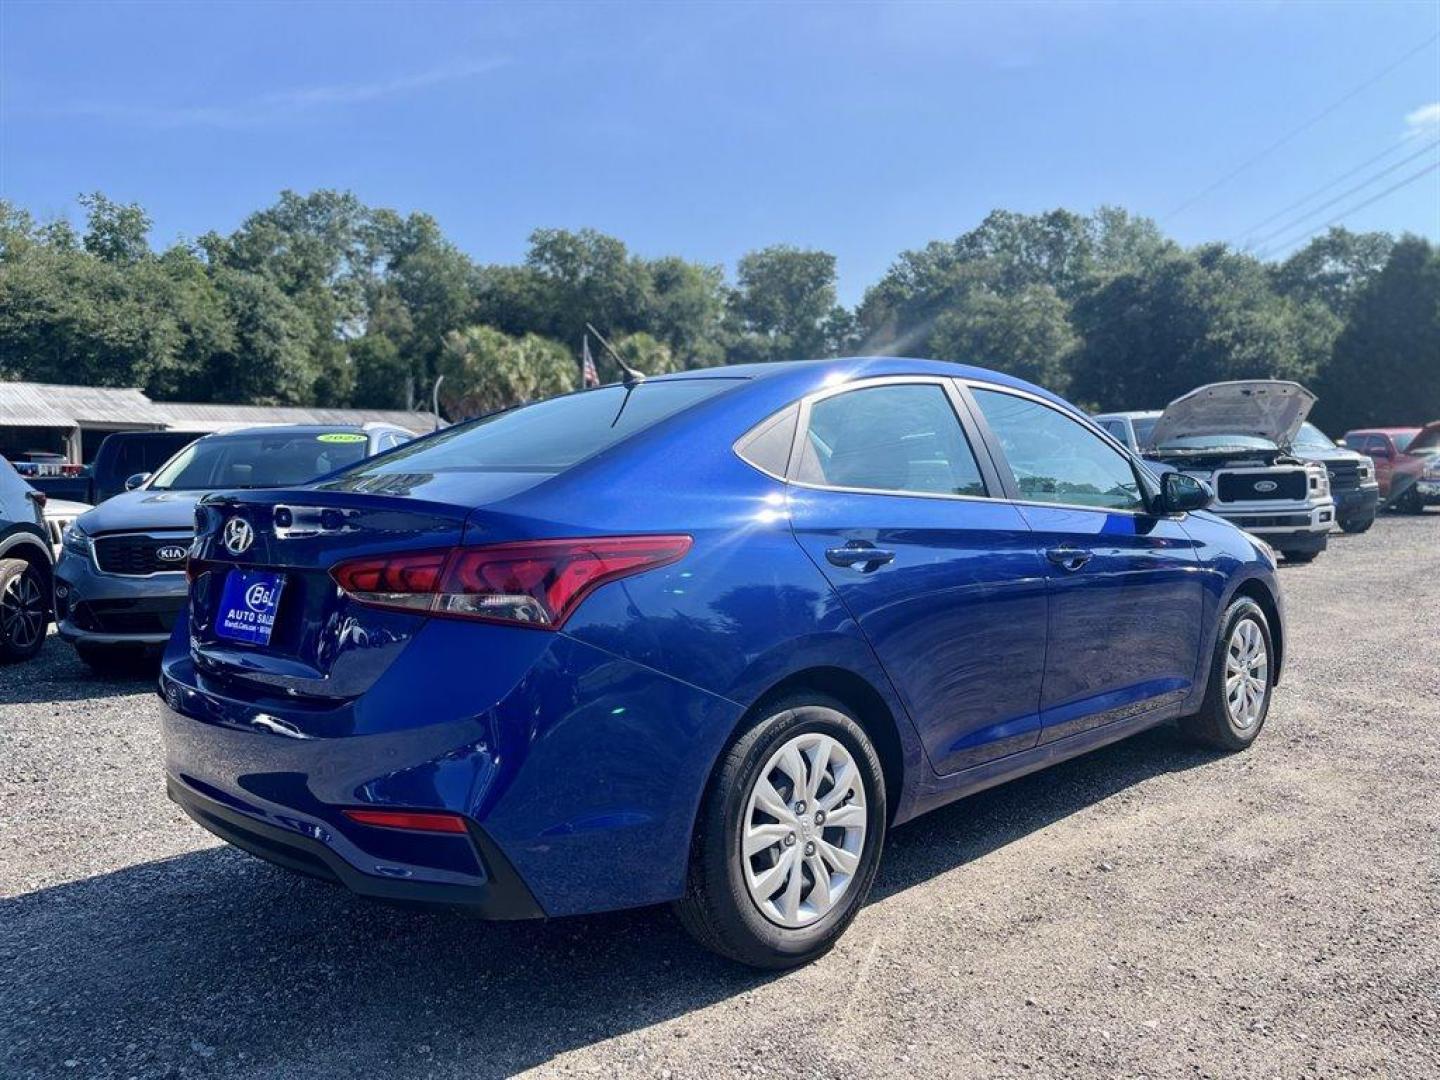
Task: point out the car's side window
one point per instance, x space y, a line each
1117 429
902 437
1056 459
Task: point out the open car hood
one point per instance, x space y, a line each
1269 408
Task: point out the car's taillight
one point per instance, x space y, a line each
533 583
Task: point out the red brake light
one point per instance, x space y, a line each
534 582
412 820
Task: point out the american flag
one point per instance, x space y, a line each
588 375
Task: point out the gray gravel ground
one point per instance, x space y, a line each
1149 910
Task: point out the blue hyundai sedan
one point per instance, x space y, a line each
700 639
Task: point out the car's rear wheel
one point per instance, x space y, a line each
1356 525
789 837
1242 676
24 611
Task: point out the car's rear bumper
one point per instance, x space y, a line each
582 769
498 892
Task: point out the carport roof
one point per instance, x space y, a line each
205 416
25 404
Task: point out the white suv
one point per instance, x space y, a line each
1237 436
26 568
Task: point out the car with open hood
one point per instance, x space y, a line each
1239 437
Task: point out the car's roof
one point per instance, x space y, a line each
802 373
302 429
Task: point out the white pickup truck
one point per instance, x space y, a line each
1236 436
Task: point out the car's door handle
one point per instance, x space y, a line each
1068 558
858 553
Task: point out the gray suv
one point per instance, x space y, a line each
120 582
25 568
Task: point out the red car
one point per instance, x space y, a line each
1407 463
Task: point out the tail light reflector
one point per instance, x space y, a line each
532 583
411 820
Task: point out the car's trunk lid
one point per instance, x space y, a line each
321 645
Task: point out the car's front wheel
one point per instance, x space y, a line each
789 836
1242 676
24 611
1356 525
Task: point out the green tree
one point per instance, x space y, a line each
486 370
644 354
115 232
784 305
1333 268
1189 319
1026 334
1386 363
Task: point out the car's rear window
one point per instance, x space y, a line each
548 436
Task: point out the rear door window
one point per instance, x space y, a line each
895 438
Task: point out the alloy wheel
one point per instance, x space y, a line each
804 830
22 612
1247 674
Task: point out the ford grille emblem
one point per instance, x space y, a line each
170 553
1265 485
238 536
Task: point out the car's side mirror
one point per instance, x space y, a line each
1180 493
1342 442
136 480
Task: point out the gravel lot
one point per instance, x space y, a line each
1149 910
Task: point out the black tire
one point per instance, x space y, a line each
1356 525
718 910
1300 556
116 661
1213 725
24 610
1410 503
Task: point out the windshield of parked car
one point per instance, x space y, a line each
550 435
1312 438
1219 442
259 459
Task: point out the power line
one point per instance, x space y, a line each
1306 126
1283 229
1277 248
1404 141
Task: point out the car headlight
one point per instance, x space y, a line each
76 541
1320 482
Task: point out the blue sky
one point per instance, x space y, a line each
709 130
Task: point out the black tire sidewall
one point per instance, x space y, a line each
1244 608
13 568
773 945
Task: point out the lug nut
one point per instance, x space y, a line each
819 817
799 808
810 847
790 839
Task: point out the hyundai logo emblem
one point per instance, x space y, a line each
238 536
1266 485
170 553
